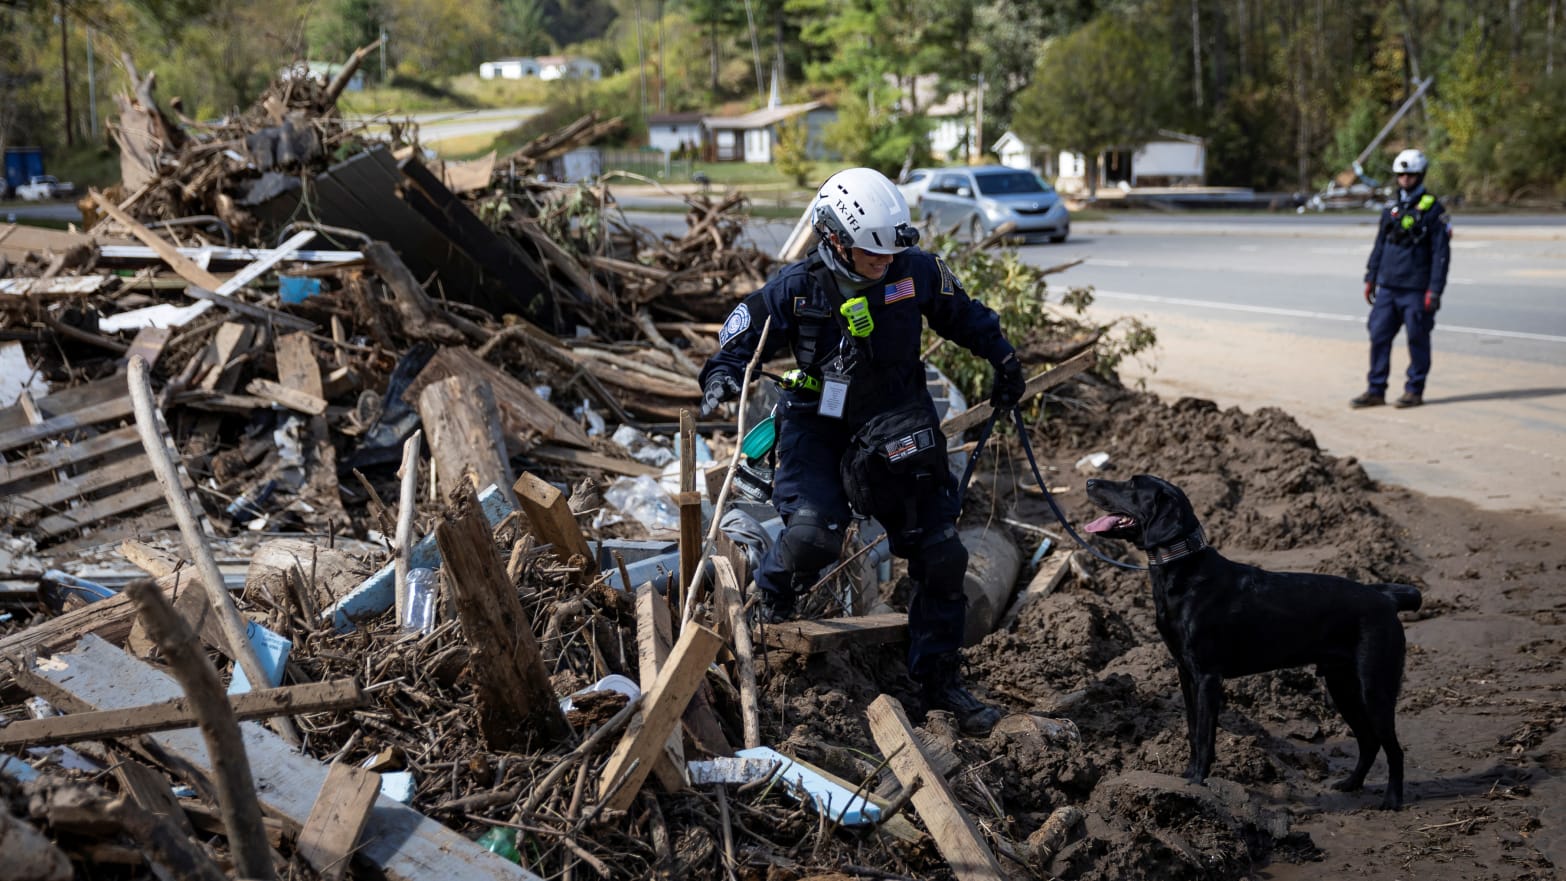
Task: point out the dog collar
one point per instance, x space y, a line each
1185 547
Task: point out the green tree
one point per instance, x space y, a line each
791 153
1103 86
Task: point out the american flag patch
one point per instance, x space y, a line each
902 290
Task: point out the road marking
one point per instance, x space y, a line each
1324 316
1100 261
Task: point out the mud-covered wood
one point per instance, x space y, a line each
518 708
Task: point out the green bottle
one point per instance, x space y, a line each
501 841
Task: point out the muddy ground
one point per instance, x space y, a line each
1481 715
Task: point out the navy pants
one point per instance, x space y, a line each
810 451
1397 308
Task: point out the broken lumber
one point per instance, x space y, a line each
219 729
463 426
311 697
187 268
522 412
1051 573
654 636
550 517
404 844
331 833
954 832
727 590
807 637
956 425
517 703
640 746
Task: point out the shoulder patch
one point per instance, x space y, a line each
948 280
737 323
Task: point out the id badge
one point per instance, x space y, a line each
834 394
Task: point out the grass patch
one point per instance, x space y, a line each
465 147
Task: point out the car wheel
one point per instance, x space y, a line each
975 228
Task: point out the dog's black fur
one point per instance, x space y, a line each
1222 619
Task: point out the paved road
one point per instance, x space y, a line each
1267 311
1257 311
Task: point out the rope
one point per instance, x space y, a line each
1022 432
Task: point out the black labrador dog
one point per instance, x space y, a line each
1222 619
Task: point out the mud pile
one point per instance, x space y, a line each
1089 654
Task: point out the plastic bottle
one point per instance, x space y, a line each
501 841
418 613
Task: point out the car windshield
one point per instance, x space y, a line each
1010 182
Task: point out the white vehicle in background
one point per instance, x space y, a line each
914 184
44 186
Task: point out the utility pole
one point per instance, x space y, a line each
92 89
978 125
383 55
65 75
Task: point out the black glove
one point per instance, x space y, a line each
1370 293
721 387
1009 384
1432 302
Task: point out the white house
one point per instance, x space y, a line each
750 137
953 118
1013 152
565 67
1173 159
322 72
509 69
672 132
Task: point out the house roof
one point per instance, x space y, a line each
693 116
760 118
927 88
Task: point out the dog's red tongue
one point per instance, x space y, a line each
1103 524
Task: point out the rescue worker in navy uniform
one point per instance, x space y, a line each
1404 280
852 314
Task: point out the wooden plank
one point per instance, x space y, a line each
595 461
956 836
550 516
692 537
166 251
62 401
1051 573
115 408
331 833
150 522
48 460
231 338
18 240
654 636
23 503
816 637
462 424
138 496
402 843
250 310
293 399
517 703
311 697
296 364
148 344
633 759
955 425
266 261
727 591
150 790
522 411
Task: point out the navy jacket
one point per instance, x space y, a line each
1413 245
917 286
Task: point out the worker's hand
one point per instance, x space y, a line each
721 387
1370 293
1432 302
1009 384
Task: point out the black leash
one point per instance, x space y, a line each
1027 447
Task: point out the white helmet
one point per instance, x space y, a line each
1410 162
862 209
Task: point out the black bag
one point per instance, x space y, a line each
888 456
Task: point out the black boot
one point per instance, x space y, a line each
942 689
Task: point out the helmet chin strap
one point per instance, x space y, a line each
839 264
